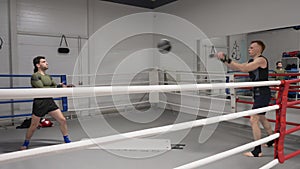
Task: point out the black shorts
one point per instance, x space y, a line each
42 106
262 98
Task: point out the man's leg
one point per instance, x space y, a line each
267 126
256 131
58 116
35 121
254 120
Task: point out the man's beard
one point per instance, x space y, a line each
44 68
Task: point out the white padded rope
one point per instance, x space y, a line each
79 145
270 164
227 153
113 90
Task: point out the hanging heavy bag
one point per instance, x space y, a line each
63 49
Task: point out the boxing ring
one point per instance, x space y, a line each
280 130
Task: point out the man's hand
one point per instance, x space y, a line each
64 86
221 55
70 85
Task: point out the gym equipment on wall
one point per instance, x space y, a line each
63 49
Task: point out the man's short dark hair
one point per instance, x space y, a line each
36 60
278 62
261 44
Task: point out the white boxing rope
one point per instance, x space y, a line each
113 90
228 153
79 145
193 108
270 164
110 106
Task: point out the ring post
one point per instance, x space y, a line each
63 79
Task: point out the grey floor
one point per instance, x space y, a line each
226 136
